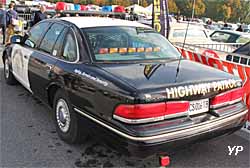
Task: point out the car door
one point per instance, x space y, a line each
21 54
44 59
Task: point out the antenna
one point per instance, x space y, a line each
178 67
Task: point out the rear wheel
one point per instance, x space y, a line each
8 75
66 120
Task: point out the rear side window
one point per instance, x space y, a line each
70 47
35 34
50 37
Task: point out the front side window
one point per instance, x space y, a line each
35 34
128 44
51 37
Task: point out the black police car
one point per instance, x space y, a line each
123 82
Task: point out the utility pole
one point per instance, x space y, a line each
193 10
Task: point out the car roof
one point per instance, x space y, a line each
184 26
87 22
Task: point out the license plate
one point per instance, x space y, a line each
198 106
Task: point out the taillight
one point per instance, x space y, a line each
142 113
226 98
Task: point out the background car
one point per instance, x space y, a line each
228 36
195 34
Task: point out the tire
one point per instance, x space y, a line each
66 120
8 75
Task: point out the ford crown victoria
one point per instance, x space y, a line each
124 83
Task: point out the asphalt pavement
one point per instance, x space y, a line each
28 139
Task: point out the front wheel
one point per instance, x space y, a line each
8 75
66 120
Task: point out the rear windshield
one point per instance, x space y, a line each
129 44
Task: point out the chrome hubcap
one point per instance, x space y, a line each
62 115
6 68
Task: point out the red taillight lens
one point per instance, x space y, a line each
237 94
177 107
141 113
229 97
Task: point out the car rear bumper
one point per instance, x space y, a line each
149 145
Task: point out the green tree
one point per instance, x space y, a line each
83 2
200 7
52 1
224 11
186 7
76 1
126 3
120 2
90 1
172 6
211 9
236 10
101 2
245 14
144 3
183 7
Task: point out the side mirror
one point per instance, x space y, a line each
16 39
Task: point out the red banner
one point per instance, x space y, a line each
239 70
